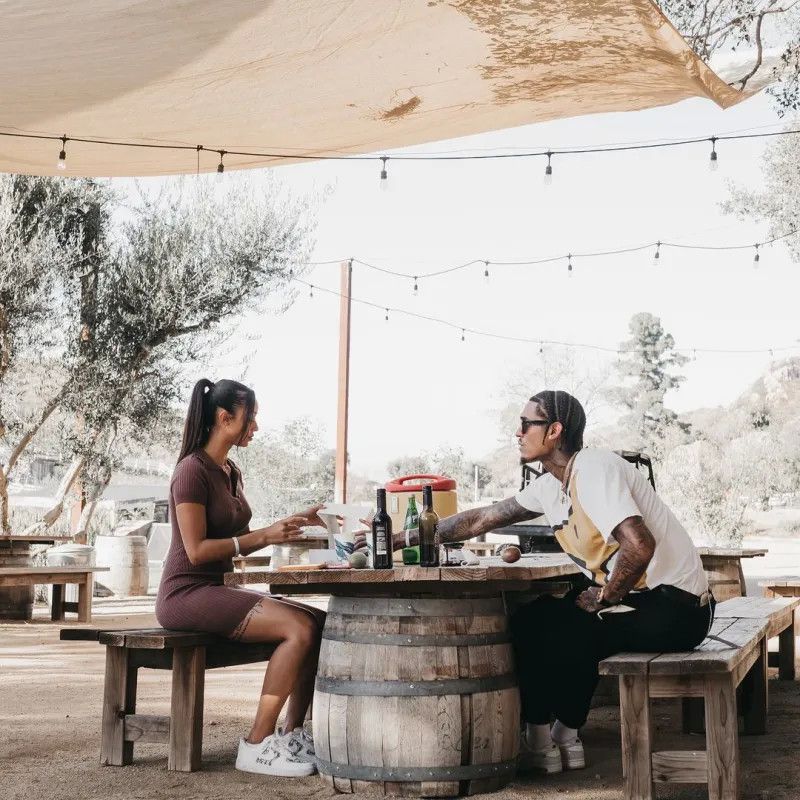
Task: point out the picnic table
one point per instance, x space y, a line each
416 692
723 566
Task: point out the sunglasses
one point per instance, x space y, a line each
525 423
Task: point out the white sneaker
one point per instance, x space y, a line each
545 759
301 743
572 755
273 756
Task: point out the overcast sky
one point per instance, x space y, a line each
415 384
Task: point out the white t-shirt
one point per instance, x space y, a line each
603 490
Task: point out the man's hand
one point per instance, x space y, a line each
362 537
589 600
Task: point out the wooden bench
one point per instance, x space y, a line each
58 577
782 623
733 657
188 655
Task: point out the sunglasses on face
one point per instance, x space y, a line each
525 423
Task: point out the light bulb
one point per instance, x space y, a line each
416 287
62 156
756 258
311 292
657 255
713 161
462 334
486 270
220 167
548 171
387 314
569 265
384 175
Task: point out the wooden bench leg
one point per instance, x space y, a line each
119 699
786 652
634 708
186 714
722 738
85 599
57 609
755 690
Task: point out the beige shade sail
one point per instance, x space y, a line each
317 77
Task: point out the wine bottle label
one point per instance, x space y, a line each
380 540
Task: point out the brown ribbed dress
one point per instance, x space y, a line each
193 598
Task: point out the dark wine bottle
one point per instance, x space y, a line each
381 535
428 531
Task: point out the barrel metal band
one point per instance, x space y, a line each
414 607
401 774
415 688
418 640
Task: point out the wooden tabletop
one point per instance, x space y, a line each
534 567
65 570
732 552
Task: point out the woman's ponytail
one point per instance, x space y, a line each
197 425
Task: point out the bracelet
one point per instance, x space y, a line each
236 549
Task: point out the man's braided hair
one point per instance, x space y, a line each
562 407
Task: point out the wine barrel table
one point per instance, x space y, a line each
416 692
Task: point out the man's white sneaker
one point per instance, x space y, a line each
545 759
572 755
273 756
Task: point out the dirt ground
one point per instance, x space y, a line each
51 697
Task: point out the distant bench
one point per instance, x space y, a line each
58 577
188 655
734 655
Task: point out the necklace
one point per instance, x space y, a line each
567 474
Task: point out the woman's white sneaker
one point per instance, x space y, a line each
301 743
273 756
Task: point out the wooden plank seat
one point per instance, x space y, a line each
188 654
57 577
781 613
733 657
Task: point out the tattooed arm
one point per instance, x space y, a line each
476 521
636 548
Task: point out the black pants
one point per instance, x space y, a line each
558 647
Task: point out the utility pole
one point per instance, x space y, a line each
340 479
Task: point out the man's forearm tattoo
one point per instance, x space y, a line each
476 521
636 548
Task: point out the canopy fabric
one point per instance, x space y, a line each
308 77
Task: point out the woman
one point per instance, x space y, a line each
210 525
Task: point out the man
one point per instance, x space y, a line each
645 588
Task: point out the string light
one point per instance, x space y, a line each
486 270
541 349
548 170
220 166
569 264
537 341
756 257
311 290
387 314
62 156
713 161
295 156
657 255
416 286
555 259
384 174
462 335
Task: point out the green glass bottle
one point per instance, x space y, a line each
411 525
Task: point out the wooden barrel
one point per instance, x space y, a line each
126 556
16 602
416 696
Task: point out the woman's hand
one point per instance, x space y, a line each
285 530
311 515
